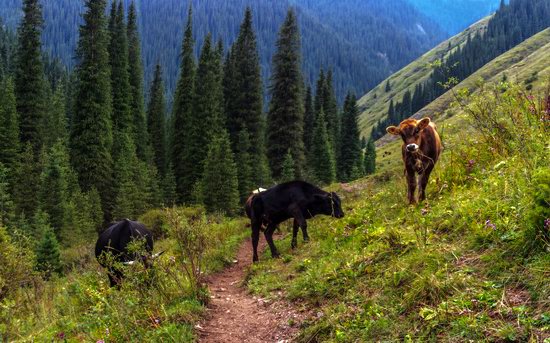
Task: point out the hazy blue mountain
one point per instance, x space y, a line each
363 41
456 15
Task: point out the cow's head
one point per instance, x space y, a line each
330 205
410 130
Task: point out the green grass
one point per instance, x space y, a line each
454 269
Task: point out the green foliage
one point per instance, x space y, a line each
322 160
91 128
370 157
156 123
135 68
9 126
6 204
245 164
168 186
285 118
288 173
181 116
219 184
48 255
30 85
27 183
349 158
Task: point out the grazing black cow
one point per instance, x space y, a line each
115 240
297 199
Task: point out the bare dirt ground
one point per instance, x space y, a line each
234 315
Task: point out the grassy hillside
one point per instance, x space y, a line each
471 264
374 105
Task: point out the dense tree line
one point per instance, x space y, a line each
511 25
78 150
364 41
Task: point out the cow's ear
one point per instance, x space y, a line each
393 130
422 124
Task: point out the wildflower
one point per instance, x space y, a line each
100 341
530 97
424 211
547 224
61 335
490 225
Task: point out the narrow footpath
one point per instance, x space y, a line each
236 316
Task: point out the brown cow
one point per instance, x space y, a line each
421 149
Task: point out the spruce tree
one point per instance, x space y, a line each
6 204
244 165
309 120
91 129
54 187
220 182
54 123
330 108
183 108
120 78
168 187
350 146
388 87
370 157
9 127
156 124
244 95
129 194
322 158
137 106
30 85
48 256
27 182
320 92
286 113
287 173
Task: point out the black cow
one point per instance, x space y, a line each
297 199
115 240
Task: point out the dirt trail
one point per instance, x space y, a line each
234 315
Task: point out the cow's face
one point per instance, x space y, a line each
410 130
331 205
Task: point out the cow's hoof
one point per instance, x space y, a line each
306 239
276 255
255 259
294 244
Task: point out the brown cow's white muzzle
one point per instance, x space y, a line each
412 147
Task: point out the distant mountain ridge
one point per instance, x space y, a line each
363 41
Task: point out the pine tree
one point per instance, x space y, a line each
91 128
370 157
320 92
287 173
183 107
54 189
350 146
30 85
6 204
388 87
322 158
128 194
137 106
244 95
120 78
168 186
54 122
26 183
48 254
286 113
219 182
156 123
245 163
9 127
330 108
309 119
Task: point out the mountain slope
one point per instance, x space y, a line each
455 16
326 42
374 105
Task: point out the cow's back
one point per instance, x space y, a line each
117 237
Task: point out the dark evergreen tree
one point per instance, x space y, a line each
309 119
7 213
129 195
91 130
244 166
48 256
370 157
350 145
26 183
156 124
183 108
9 127
320 92
120 78
388 87
322 159
168 187
286 117
137 105
244 96
330 108
30 85
287 173
54 123
219 181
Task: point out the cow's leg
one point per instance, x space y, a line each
411 185
301 221
256 227
295 234
269 238
424 182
